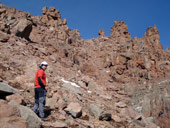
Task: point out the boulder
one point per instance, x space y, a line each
51 102
7 110
95 110
28 115
23 28
3 37
116 118
74 109
71 88
15 97
13 122
98 113
6 89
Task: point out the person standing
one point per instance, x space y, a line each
40 90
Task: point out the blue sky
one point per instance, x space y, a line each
89 16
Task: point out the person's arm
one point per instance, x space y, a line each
41 83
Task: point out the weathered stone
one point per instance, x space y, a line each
15 97
51 103
8 110
3 37
44 10
95 111
74 109
23 28
13 122
28 115
6 89
119 30
120 105
105 116
52 9
57 124
44 19
130 65
64 21
101 33
116 118
71 88
2 10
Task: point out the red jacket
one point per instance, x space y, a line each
40 74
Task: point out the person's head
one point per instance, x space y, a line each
44 65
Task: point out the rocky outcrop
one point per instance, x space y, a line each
119 30
101 82
15 22
52 17
101 33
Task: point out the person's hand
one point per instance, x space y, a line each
46 88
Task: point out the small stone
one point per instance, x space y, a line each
56 124
116 118
120 105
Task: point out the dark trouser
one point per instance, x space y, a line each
40 98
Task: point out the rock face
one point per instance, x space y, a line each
15 22
115 81
119 30
52 17
154 101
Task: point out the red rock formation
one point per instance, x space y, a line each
107 69
119 30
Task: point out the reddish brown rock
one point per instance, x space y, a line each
153 40
74 109
56 124
13 122
110 70
8 110
101 33
119 30
15 97
3 37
